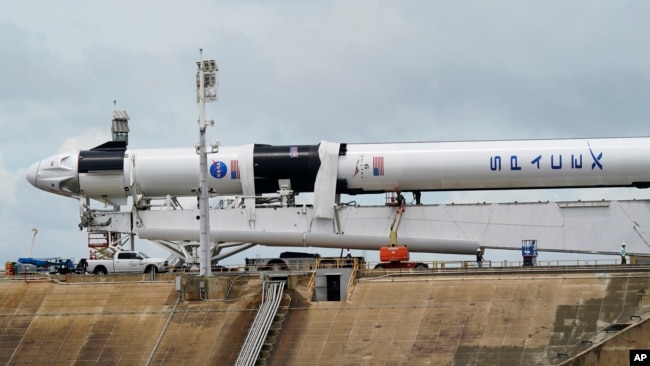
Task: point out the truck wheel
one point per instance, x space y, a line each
100 271
151 269
379 266
421 266
277 265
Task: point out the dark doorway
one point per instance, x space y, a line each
333 287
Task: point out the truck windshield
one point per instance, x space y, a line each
143 255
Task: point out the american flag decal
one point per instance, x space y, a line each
234 169
377 165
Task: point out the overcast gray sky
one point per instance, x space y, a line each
297 72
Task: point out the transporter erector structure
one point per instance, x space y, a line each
254 187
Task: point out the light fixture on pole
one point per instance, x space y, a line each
206 83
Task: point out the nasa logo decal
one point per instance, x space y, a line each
218 169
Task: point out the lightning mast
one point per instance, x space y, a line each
206 83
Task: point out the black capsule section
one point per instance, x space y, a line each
297 163
106 157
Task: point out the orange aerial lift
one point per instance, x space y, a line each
395 256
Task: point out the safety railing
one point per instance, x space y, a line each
261 324
311 286
351 281
517 263
462 264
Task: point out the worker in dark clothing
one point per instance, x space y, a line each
479 257
400 199
416 196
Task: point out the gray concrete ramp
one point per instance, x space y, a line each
203 332
466 320
129 323
45 323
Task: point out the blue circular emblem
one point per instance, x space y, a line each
218 169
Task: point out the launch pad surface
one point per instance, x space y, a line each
470 318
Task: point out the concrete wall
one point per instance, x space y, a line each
121 323
479 319
616 350
470 319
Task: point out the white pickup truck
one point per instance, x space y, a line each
126 262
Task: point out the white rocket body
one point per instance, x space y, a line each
110 172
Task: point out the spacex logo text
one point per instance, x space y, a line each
540 161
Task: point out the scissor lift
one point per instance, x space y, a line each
529 252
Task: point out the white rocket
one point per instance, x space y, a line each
111 172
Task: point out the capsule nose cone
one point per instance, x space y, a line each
32 173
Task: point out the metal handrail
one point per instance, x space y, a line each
353 277
311 285
454 264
